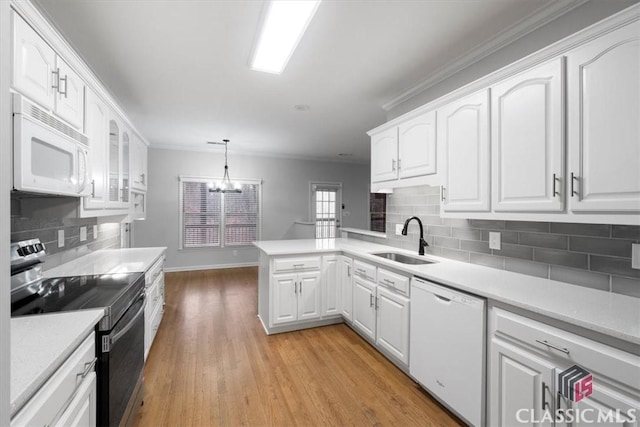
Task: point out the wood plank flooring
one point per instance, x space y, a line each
212 364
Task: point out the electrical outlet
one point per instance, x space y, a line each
95 231
635 255
83 234
399 229
60 238
494 240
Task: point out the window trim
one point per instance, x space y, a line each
206 180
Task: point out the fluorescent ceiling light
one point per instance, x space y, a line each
283 27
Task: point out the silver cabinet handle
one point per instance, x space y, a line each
56 83
66 83
389 282
555 347
377 300
573 180
300 282
370 300
393 165
93 188
348 271
442 190
142 178
88 367
295 287
399 160
555 180
545 404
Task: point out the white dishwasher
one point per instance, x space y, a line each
446 345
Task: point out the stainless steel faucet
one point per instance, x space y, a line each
422 243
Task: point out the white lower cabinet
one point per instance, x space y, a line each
345 272
68 398
331 292
364 310
154 310
295 297
528 361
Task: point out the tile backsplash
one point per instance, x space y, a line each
593 255
43 217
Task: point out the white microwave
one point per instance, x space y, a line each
49 156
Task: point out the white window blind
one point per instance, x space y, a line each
211 219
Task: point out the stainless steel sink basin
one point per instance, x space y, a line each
404 259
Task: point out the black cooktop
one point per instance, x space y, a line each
112 291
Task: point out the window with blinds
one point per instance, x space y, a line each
218 219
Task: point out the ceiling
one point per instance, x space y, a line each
180 68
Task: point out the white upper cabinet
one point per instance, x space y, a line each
34 64
384 156
463 131
43 77
603 78
138 164
98 133
417 146
527 140
70 95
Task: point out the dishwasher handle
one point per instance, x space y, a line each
443 299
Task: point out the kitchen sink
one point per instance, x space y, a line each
404 259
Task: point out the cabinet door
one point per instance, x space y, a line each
364 310
613 408
113 169
520 387
138 164
98 134
82 409
330 286
309 299
125 167
384 156
284 298
463 131
528 140
346 287
33 64
70 97
417 146
604 129
392 331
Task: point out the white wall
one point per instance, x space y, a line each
5 184
567 24
285 199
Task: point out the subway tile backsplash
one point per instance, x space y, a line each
593 255
43 217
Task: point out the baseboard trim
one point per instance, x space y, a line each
209 267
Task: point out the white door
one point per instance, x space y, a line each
33 65
521 387
331 294
384 156
346 287
392 331
326 208
70 97
82 409
284 298
364 310
417 146
309 297
463 131
604 122
527 140
98 134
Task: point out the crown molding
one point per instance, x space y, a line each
516 31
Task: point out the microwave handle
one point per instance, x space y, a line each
84 170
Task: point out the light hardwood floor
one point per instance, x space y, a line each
212 364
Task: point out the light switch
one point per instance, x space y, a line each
83 234
399 229
60 238
95 231
494 240
635 255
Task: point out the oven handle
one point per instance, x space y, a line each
140 312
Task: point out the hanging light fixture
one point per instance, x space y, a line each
225 185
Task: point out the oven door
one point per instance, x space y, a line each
47 161
120 364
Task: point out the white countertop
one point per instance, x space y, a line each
109 261
39 346
608 313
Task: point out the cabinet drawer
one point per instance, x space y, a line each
392 280
598 358
154 271
364 270
296 264
58 391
